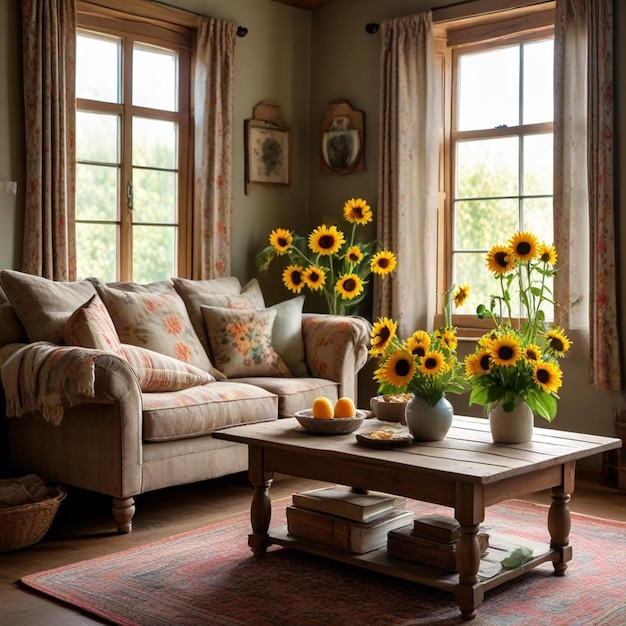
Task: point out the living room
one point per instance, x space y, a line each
303 60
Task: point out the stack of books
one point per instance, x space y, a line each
432 541
340 518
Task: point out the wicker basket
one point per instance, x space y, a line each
26 524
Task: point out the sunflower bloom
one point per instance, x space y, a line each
499 260
447 337
460 295
292 278
478 363
418 343
349 286
548 376
383 263
532 352
432 363
357 211
505 349
383 332
314 277
524 246
547 254
354 255
281 240
326 240
558 343
397 370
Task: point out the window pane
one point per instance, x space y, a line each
538 160
154 253
487 168
489 89
96 251
479 222
538 214
97 137
154 196
97 67
155 143
469 269
154 78
97 192
538 82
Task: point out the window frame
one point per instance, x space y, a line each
171 36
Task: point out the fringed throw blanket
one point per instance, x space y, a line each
46 378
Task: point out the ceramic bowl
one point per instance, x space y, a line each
389 408
332 426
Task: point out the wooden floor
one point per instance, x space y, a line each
83 529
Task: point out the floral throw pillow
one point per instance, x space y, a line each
241 341
158 322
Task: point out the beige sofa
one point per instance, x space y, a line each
118 388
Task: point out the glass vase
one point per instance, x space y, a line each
426 422
515 426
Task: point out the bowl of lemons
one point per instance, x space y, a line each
328 418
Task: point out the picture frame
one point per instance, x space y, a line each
267 147
342 140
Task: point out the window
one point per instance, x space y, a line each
132 150
498 153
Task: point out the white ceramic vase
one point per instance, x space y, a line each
515 426
426 422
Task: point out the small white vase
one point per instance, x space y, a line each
426 422
515 426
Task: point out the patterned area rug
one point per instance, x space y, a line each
209 577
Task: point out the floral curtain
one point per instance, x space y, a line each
410 123
49 54
586 284
213 196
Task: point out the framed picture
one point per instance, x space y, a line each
267 153
342 142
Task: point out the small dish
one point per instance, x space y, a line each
385 437
390 408
332 426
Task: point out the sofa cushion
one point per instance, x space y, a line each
295 394
91 326
42 305
158 372
202 410
11 329
241 341
196 293
156 321
287 337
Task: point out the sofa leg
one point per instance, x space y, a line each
123 511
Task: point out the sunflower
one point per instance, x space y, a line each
499 260
383 331
349 286
548 376
505 349
418 342
326 240
314 277
460 295
478 363
397 370
293 279
447 337
532 352
547 254
558 343
432 363
357 211
281 240
524 246
383 263
354 255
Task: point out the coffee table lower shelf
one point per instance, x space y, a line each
379 560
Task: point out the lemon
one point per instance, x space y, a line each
322 408
344 407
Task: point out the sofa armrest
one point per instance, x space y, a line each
336 348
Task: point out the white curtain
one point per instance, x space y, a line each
410 123
213 104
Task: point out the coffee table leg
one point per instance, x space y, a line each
559 525
261 508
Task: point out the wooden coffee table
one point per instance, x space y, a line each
465 471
